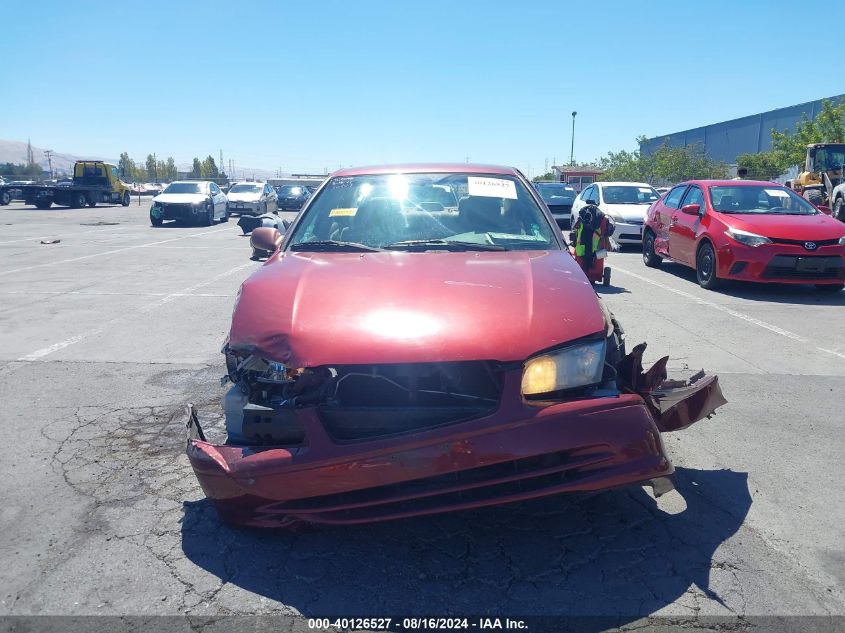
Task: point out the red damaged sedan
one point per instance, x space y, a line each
745 230
422 341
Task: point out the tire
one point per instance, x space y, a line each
838 210
5 198
78 200
44 204
705 267
226 214
650 258
830 287
156 221
208 220
92 203
813 196
125 201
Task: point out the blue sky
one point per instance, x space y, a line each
304 86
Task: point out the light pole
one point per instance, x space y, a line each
572 149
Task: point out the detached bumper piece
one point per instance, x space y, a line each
514 451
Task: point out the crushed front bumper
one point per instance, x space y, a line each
520 452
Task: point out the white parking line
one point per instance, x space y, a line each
55 347
112 252
731 312
63 235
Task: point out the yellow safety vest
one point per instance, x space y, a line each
580 251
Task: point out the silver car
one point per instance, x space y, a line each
252 198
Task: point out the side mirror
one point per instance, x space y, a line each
592 202
691 209
265 239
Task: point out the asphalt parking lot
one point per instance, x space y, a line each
105 335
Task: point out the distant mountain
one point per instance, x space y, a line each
15 152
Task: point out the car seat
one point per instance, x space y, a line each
378 221
480 214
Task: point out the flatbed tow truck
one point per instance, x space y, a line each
93 181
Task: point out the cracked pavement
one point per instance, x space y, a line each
121 325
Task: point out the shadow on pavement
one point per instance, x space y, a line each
803 294
613 554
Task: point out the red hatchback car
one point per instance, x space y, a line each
745 230
422 341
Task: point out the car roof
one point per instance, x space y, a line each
192 182
732 183
623 183
423 168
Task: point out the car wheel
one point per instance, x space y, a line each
839 210
813 196
44 204
5 198
209 215
156 221
92 203
78 200
830 287
125 201
705 267
650 258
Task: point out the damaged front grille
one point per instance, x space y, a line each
372 401
354 402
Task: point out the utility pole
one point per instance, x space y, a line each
572 149
49 154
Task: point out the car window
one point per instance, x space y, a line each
215 189
590 193
759 199
628 194
494 212
673 198
694 196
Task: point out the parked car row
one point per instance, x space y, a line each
204 201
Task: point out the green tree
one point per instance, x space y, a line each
549 175
666 163
764 165
127 166
208 168
827 127
151 167
170 172
196 170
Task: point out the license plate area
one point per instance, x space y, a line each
810 264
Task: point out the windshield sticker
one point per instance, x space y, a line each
777 192
343 212
491 187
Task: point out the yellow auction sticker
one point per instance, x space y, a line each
346 212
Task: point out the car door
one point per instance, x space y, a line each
665 209
217 199
683 227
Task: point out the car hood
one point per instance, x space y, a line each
311 309
789 227
627 212
244 197
180 198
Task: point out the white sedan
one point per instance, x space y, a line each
626 203
252 198
193 201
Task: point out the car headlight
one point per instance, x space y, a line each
842 241
576 366
613 215
746 237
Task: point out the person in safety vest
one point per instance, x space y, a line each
591 234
